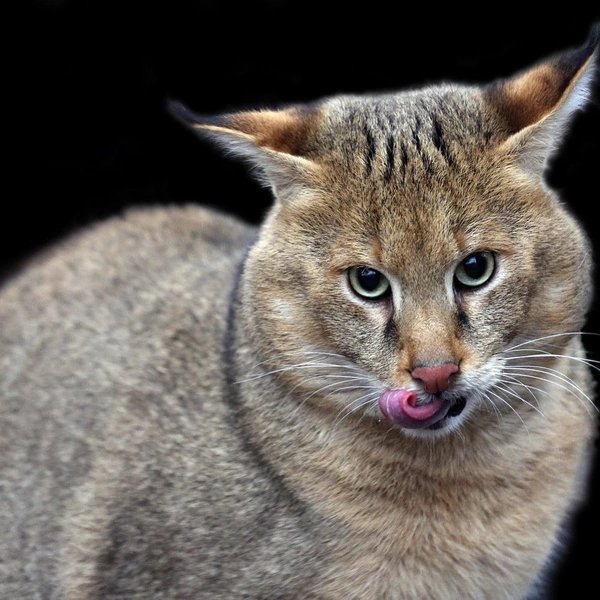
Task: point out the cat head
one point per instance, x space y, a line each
414 255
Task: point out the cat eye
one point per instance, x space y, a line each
369 283
475 270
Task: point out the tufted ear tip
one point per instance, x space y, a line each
528 97
179 111
188 117
538 104
275 142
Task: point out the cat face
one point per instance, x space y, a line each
415 267
426 283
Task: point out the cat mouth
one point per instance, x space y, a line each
401 407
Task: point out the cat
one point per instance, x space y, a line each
381 392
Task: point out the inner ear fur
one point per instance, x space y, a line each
277 143
287 131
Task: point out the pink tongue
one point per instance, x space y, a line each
400 407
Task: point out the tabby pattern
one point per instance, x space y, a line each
380 393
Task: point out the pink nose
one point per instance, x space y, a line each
435 379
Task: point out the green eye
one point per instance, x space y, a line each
368 283
475 270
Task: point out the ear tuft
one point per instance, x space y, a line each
528 97
538 105
288 131
277 142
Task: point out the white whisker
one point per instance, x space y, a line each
359 403
521 399
544 354
516 381
548 337
336 390
509 406
571 390
304 365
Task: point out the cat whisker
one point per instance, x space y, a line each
507 404
344 382
292 353
550 336
496 409
544 354
489 403
344 378
313 361
505 386
507 390
304 365
513 380
572 388
550 371
359 403
341 379
336 390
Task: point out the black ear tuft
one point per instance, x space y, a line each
539 104
182 113
571 60
594 37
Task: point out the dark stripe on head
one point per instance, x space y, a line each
390 158
415 134
428 163
403 159
439 141
370 150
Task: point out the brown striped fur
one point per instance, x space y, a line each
189 406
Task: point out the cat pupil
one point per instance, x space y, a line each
369 279
475 265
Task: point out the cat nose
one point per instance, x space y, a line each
435 379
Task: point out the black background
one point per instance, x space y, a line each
87 133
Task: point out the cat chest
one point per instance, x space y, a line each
442 542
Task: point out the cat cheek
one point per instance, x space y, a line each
280 309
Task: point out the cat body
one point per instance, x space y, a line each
378 393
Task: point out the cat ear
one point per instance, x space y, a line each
539 104
275 142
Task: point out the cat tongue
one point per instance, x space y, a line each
400 407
